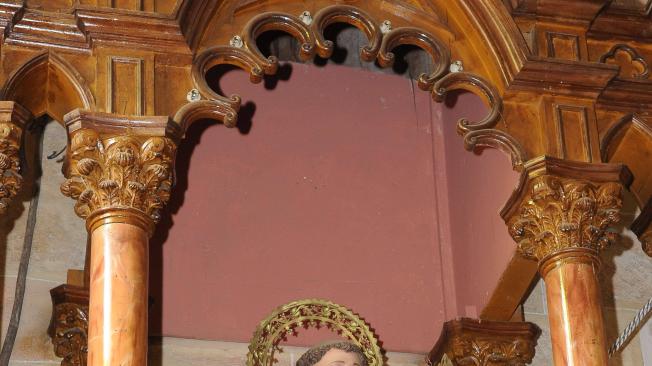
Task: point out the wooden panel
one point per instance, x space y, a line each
573 137
49 5
563 46
571 129
125 85
563 43
127 4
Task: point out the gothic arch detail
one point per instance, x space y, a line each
382 38
63 88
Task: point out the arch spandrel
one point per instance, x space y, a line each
48 84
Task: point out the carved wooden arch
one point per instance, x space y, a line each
383 35
285 320
484 30
61 88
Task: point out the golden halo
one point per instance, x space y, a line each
310 313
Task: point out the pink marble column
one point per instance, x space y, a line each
117 331
574 308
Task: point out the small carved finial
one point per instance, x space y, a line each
306 17
456 66
386 27
193 95
236 42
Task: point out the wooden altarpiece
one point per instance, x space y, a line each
566 83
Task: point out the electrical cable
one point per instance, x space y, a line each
21 279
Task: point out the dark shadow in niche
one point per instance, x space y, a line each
451 98
283 74
346 45
411 61
247 109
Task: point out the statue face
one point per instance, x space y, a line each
337 357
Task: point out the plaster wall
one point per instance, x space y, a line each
342 188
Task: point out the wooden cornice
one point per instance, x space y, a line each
193 16
564 77
576 10
83 26
623 24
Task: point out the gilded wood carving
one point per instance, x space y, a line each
553 211
566 213
69 324
13 119
287 319
469 342
112 170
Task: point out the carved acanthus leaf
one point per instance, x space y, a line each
13 118
561 213
119 172
10 178
70 335
477 351
475 342
646 242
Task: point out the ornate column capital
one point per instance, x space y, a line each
482 343
69 324
119 168
13 118
642 227
563 205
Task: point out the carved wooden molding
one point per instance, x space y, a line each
642 227
471 342
13 119
563 205
119 162
615 133
69 324
243 52
632 64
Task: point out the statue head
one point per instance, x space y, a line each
339 353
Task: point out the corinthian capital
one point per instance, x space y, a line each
119 162
13 118
562 205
